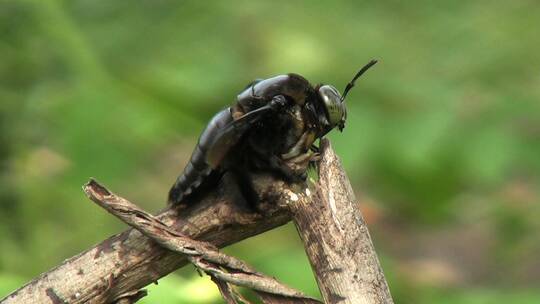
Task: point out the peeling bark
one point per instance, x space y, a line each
337 240
128 261
205 256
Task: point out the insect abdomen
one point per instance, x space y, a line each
200 166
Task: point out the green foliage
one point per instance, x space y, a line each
442 140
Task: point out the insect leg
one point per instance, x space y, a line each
246 187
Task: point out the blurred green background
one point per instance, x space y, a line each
442 142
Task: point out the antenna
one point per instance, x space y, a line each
350 85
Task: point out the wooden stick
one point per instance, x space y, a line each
337 240
203 255
121 265
335 237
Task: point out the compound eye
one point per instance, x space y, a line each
335 109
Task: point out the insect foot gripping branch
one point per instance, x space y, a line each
272 127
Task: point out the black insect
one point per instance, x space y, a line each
272 127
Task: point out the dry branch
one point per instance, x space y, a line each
335 237
203 255
126 262
337 240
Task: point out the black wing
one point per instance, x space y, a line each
221 134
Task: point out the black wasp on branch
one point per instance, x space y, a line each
272 127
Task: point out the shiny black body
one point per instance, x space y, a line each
272 127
